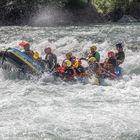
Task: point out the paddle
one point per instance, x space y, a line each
110 73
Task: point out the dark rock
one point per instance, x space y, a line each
127 19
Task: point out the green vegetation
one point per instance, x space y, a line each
17 10
103 6
118 7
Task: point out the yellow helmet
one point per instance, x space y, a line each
36 55
93 47
69 55
67 63
91 60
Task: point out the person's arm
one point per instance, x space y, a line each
123 56
89 55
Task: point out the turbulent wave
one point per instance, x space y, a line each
42 108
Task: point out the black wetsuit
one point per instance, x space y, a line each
51 60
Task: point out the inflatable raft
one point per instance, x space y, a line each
13 58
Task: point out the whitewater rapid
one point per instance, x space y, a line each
43 109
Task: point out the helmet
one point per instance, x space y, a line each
93 47
36 55
67 63
91 60
69 55
76 63
47 50
25 45
119 45
111 54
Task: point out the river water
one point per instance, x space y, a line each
43 109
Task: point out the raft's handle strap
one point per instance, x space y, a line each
3 57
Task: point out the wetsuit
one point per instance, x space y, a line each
51 61
120 56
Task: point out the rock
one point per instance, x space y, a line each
126 19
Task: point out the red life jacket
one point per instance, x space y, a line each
60 69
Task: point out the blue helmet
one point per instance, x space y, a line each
119 45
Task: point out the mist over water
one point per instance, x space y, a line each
43 109
51 16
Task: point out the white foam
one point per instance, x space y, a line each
44 109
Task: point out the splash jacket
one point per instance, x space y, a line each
96 55
51 60
120 56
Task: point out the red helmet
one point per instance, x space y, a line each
47 50
111 54
24 44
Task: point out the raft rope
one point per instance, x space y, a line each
3 57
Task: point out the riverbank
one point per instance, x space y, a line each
53 16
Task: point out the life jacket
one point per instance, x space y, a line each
59 72
96 55
60 69
64 73
72 59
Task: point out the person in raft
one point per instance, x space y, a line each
120 55
94 53
50 59
27 50
110 62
